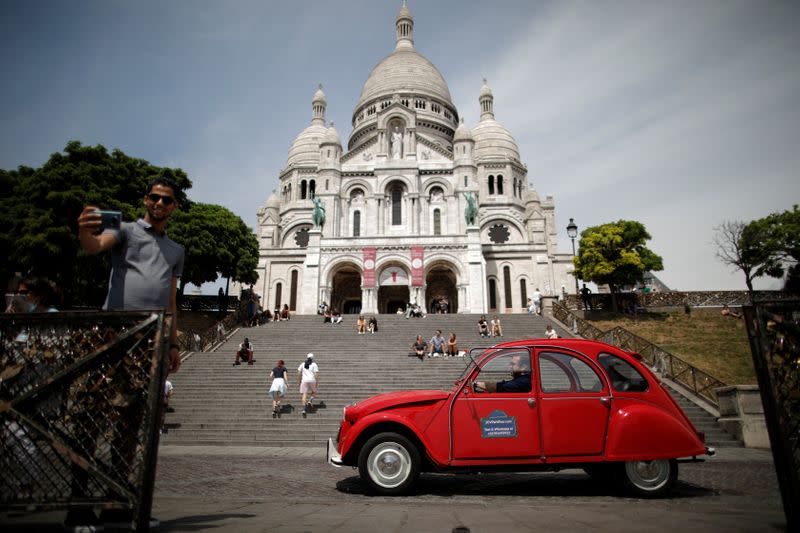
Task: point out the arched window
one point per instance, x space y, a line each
303 190
499 184
492 294
327 182
357 224
465 181
293 292
278 290
437 222
312 188
523 292
507 285
514 191
289 193
397 206
491 184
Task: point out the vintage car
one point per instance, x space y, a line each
526 405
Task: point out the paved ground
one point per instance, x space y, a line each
294 490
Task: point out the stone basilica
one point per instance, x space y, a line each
419 207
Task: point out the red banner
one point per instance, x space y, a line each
369 266
417 272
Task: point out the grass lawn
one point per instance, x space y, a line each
713 343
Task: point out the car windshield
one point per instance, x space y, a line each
472 357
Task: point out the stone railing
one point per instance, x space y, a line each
638 300
659 359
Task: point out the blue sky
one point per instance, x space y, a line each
678 114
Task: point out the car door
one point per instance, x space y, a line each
574 404
496 425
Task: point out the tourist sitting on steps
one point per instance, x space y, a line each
245 353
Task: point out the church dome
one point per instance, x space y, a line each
331 136
273 202
462 132
493 141
405 71
305 148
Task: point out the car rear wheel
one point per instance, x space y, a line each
389 463
650 479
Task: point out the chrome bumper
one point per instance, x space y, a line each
333 456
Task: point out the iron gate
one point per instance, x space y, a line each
774 332
81 401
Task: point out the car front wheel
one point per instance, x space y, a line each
650 479
389 463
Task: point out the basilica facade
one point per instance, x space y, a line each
419 207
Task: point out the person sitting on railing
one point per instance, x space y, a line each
245 353
726 311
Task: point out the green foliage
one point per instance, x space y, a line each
767 246
39 210
615 254
216 242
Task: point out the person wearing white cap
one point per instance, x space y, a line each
308 378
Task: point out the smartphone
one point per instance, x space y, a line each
109 219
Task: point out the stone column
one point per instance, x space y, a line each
310 286
476 272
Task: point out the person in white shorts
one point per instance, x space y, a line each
308 377
278 388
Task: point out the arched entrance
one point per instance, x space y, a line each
393 293
346 290
440 284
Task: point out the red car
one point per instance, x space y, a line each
526 405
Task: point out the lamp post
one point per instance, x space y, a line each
572 232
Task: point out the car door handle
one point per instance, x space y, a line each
531 402
605 400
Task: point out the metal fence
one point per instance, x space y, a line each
668 365
81 401
774 332
202 340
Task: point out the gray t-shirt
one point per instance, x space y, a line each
143 264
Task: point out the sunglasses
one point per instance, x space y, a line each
166 200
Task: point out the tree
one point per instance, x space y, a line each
615 254
217 242
39 210
767 246
40 207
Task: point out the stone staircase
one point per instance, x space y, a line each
220 404
705 422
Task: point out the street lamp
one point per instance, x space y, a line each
572 232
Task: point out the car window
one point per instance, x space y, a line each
624 377
559 372
499 368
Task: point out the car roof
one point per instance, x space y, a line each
585 346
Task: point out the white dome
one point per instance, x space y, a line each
493 141
273 202
405 71
331 136
305 148
462 132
